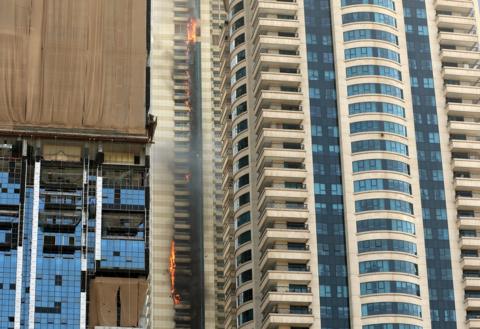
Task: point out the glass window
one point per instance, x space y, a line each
384 287
380 164
384 204
387 245
244 238
381 107
385 224
379 184
379 145
389 265
367 16
364 70
374 88
382 3
363 34
245 317
360 52
374 125
391 308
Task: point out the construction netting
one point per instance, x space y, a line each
75 64
116 301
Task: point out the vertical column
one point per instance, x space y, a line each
34 239
21 219
84 244
98 216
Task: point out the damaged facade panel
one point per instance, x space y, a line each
69 64
48 234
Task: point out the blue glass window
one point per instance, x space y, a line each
362 34
391 308
384 204
375 125
391 326
376 107
382 3
385 224
384 71
367 16
374 88
387 245
379 184
379 145
388 265
385 287
360 52
380 164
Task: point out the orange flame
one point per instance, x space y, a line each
192 30
171 268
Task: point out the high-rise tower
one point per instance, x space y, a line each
351 195
186 166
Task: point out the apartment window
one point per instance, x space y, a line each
383 126
382 3
385 224
384 204
374 88
380 164
370 34
400 266
243 219
369 17
244 238
245 317
387 245
391 308
379 145
236 8
378 184
382 107
359 52
244 257
380 70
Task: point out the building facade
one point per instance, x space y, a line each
74 164
349 134
186 166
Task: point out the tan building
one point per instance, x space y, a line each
350 164
186 166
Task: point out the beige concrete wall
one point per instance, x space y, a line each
162 197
